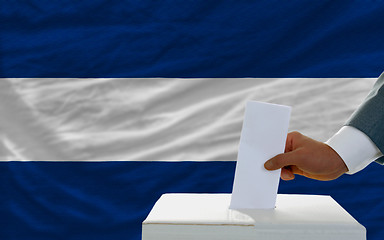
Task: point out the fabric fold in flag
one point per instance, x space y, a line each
106 106
170 119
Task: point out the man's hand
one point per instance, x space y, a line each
308 157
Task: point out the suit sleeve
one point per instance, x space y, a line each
369 116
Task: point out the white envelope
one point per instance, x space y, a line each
263 136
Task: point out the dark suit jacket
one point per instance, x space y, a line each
369 116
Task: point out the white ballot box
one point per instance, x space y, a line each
208 217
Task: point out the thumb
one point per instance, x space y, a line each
281 160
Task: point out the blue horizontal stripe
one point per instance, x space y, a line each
109 200
191 39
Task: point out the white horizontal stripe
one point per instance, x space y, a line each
112 160
152 119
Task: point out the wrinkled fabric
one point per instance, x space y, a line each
101 38
63 110
159 118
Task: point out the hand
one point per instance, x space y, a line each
307 157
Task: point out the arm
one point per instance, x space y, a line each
354 146
307 157
369 117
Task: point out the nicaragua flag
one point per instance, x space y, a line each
106 105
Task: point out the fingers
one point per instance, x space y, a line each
286 174
292 138
281 160
290 155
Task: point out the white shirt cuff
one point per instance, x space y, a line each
355 148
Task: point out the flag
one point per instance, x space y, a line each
106 105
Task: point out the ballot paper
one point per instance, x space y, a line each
263 136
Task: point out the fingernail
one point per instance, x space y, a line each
268 165
286 176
